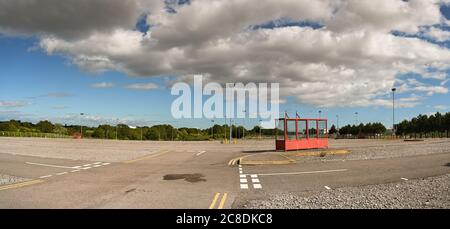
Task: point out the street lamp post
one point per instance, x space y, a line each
212 129
337 123
356 118
81 124
117 125
393 110
243 128
260 129
231 131
320 114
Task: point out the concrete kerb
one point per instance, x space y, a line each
282 158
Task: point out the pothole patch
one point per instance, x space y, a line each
189 177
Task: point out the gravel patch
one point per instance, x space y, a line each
8 179
432 192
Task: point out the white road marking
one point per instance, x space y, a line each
298 173
48 165
255 180
243 180
254 176
96 163
106 163
244 186
97 166
87 165
328 188
76 170
58 174
242 176
200 153
404 178
86 168
42 177
240 172
257 186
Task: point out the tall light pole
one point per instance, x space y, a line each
231 131
260 129
81 124
337 123
356 118
393 109
243 128
117 125
320 114
212 129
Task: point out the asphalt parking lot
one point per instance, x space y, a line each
68 173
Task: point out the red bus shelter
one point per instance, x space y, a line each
301 133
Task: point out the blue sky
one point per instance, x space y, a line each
39 81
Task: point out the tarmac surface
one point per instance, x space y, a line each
69 173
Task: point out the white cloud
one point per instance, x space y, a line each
353 60
10 104
142 86
442 107
438 34
102 85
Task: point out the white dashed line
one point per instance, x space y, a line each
244 186
328 188
254 176
243 180
42 177
257 186
74 171
200 153
255 180
242 176
404 178
240 172
48 165
106 163
86 168
96 163
87 165
58 174
95 166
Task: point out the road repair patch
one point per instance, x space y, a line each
192 178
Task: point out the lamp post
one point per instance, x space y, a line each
117 125
260 137
393 110
356 118
243 128
212 129
320 114
337 123
231 131
81 124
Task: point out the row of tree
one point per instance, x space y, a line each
437 125
125 132
361 130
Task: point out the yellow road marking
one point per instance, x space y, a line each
213 203
146 157
222 202
21 184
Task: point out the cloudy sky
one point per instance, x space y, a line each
114 59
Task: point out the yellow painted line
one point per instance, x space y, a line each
213 203
222 202
146 157
21 184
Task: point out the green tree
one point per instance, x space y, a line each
45 126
